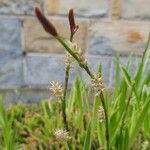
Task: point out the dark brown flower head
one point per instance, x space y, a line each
73 26
47 25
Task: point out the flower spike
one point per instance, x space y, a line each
47 25
73 26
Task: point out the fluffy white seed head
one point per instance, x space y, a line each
56 89
101 114
61 135
68 59
78 51
97 84
145 145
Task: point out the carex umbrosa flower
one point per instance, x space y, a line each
47 25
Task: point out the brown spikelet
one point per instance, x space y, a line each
47 25
73 26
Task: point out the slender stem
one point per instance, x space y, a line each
67 72
64 98
66 80
107 120
64 103
71 37
65 92
88 72
64 114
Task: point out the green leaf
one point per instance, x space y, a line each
127 77
130 83
124 142
99 70
117 71
139 121
2 112
87 142
145 93
46 108
76 99
95 118
101 133
141 69
147 79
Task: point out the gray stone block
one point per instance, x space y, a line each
100 45
123 37
10 71
37 40
10 36
25 96
41 69
86 8
138 9
21 7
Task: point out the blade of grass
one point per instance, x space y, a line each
141 69
87 142
139 121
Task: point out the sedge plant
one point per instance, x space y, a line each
74 52
128 92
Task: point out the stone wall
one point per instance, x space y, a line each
30 58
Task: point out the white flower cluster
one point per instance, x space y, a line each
101 114
78 52
97 84
56 89
61 135
68 59
145 145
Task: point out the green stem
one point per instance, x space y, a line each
64 114
72 52
64 96
106 119
65 92
66 80
86 68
